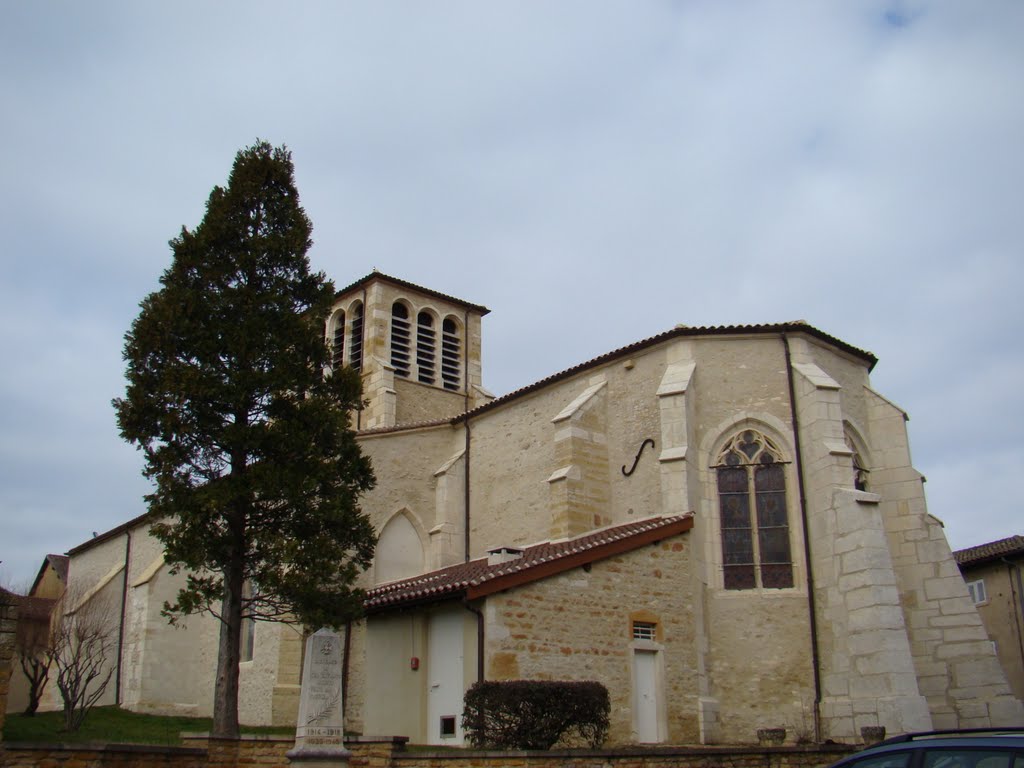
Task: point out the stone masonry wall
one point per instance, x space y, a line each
106 756
263 752
867 670
955 663
578 626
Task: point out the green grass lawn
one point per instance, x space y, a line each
111 724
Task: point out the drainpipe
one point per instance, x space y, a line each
465 489
362 346
465 386
465 358
811 612
347 652
124 611
1013 569
479 639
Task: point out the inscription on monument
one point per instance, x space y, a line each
320 711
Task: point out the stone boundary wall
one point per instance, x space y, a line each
269 752
639 757
99 756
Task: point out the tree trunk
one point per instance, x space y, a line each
225 697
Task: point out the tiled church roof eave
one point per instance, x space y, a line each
477 578
107 535
375 275
796 326
410 427
993 550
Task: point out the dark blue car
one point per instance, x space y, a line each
971 748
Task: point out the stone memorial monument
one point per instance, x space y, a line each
319 733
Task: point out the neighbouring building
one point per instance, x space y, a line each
723 525
33 629
9 603
993 575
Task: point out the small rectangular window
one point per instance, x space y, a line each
644 630
447 726
977 591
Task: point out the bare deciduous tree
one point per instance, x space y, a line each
84 637
32 644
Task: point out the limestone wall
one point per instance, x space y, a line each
416 402
170 670
578 626
391 400
954 661
248 752
549 464
406 464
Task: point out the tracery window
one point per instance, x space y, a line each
754 522
450 354
426 347
400 339
355 343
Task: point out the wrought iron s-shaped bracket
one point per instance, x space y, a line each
637 459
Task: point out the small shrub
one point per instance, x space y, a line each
535 714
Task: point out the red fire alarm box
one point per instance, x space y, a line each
414 662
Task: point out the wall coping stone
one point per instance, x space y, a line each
102 746
632 751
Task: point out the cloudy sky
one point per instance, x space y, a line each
595 172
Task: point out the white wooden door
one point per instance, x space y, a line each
444 667
645 696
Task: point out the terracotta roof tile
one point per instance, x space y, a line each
1014 545
477 578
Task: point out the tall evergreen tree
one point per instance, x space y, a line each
245 429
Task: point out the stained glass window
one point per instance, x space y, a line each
754 516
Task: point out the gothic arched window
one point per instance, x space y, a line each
450 354
400 339
754 521
338 340
426 347
355 338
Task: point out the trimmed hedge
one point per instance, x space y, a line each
535 714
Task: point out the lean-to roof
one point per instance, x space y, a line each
478 578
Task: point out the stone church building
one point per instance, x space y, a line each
722 525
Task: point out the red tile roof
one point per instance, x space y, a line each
477 578
994 550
